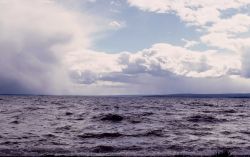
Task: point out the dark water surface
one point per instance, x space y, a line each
68 125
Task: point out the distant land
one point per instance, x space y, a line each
230 95
182 95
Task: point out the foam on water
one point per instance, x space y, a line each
68 125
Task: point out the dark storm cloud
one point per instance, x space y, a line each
35 37
29 68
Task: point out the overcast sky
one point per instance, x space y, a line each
103 47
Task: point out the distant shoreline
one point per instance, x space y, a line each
247 95
229 95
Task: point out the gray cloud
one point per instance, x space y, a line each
45 49
35 38
246 63
165 68
31 67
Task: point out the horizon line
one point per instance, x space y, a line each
230 95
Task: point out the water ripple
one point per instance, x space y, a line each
72 125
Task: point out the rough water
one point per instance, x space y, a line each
71 125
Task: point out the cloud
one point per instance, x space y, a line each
194 12
47 49
225 41
36 36
162 57
246 62
189 43
117 24
160 62
238 23
148 84
165 68
226 33
231 34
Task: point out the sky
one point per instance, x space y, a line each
124 47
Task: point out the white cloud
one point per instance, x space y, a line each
226 33
117 24
229 33
164 57
162 69
189 43
161 60
195 12
239 23
45 48
225 41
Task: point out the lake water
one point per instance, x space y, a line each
75 125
